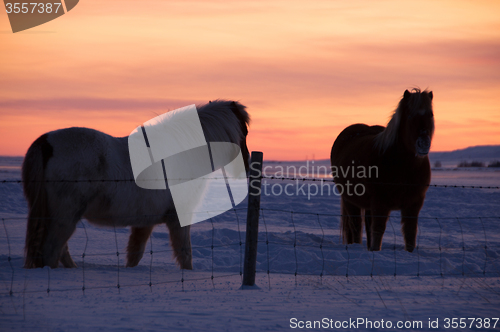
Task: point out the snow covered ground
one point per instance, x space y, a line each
455 273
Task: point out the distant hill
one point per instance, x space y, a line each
484 153
448 159
480 153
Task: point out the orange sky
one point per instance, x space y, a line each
305 69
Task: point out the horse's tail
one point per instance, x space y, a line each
33 173
240 112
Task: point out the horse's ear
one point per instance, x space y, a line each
431 95
406 94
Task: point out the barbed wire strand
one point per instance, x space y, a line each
491 247
419 233
295 248
284 211
212 248
396 293
394 247
24 293
267 249
9 259
347 265
373 264
440 251
485 246
296 245
48 279
321 249
463 246
383 183
482 283
83 255
240 243
334 246
151 262
380 296
117 260
182 280
128 285
101 287
11 267
261 177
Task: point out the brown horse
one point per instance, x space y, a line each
399 171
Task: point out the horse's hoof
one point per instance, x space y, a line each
186 265
131 264
409 248
133 260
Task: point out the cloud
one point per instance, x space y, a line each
27 106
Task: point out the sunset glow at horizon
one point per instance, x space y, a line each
305 70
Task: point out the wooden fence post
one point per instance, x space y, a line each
252 219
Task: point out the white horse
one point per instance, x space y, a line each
70 173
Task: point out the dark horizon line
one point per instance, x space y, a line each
275 160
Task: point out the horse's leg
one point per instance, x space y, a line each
352 223
136 244
55 245
368 223
377 227
66 259
66 212
409 221
180 238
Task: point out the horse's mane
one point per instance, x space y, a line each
221 121
413 103
224 121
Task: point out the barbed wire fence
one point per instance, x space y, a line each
294 248
270 242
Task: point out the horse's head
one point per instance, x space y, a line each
417 121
